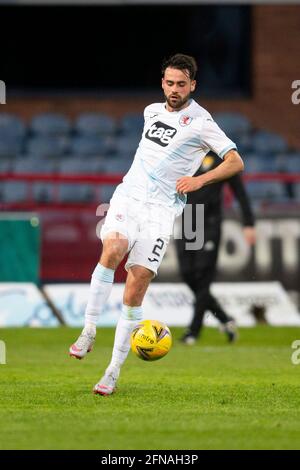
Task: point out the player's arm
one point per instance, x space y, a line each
238 188
231 165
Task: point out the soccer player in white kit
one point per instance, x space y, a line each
176 137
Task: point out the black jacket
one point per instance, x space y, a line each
212 194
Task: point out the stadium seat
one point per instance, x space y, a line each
267 191
50 124
76 192
6 165
288 162
45 146
243 143
92 145
95 124
132 123
126 145
255 163
268 142
24 164
106 192
80 193
116 165
14 191
11 126
297 192
10 147
233 124
43 192
77 165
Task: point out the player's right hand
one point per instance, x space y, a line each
187 184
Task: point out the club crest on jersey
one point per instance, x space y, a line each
120 217
160 133
185 120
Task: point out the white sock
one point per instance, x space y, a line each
129 318
100 289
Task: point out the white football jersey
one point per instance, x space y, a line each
173 145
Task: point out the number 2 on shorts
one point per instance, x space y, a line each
157 250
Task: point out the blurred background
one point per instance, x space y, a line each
75 81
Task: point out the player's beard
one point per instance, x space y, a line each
179 102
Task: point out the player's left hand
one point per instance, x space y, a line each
187 184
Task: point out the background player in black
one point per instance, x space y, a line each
198 267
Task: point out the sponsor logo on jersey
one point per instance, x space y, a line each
160 133
185 120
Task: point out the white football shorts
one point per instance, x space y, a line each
147 227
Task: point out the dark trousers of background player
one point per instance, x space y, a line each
198 269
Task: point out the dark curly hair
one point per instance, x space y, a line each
181 62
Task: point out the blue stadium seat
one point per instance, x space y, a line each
132 123
45 146
84 192
233 124
11 126
107 191
50 124
268 142
243 143
31 164
293 163
76 193
297 192
266 191
113 165
93 145
95 124
116 165
288 162
127 144
255 163
43 192
79 165
9 147
6 165
14 191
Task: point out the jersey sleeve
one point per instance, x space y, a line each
214 138
147 113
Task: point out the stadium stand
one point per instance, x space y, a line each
131 123
92 145
97 144
265 142
95 124
9 147
45 146
11 127
234 124
50 124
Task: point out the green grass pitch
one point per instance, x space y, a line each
208 396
